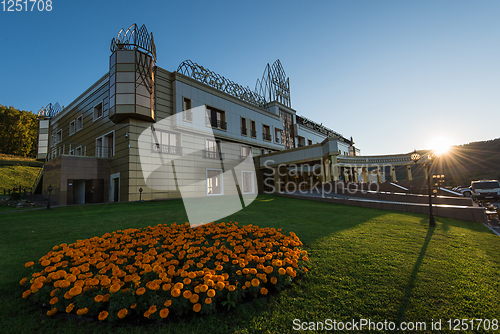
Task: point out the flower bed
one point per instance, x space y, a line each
163 270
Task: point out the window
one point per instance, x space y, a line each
105 145
78 150
243 126
79 123
216 118
248 182
166 142
277 135
214 182
245 152
59 136
266 132
253 130
71 128
186 108
98 111
212 149
309 142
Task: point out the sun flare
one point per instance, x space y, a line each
441 145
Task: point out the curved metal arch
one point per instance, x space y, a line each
134 38
274 85
206 76
50 110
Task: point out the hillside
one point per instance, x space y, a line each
17 171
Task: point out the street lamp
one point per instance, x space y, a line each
140 194
49 188
415 157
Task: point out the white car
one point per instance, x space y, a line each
485 189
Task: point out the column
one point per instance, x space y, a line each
365 174
409 177
393 174
277 187
379 175
334 167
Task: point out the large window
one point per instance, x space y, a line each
266 132
216 118
98 111
79 123
186 108
105 145
71 128
166 142
214 182
277 135
243 126
253 130
59 136
248 182
212 149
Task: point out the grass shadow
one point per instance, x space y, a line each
405 302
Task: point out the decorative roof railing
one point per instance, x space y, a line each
274 85
51 110
206 76
134 38
301 120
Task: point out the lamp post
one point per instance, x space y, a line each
415 157
49 188
140 194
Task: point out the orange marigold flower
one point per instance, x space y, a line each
103 315
133 306
82 311
106 297
187 294
269 269
54 300
179 286
52 312
98 298
167 303
203 288
76 290
248 284
70 308
187 281
220 285
255 282
29 264
175 292
305 258
231 288
282 271
23 281
140 291
64 284
122 313
164 313
197 307
194 298
274 280
208 300
45 263
114 288
263 291
211 293
26 294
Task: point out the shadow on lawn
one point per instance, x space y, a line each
413 277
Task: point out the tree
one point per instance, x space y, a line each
18 132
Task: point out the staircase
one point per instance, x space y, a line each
37 180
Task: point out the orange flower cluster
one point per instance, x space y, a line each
190 269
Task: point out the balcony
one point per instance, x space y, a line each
104 152
253 133
266 136
216 155
243 131
216 123
167 149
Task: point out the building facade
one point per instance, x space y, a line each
109 144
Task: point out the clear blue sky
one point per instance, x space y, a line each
391 74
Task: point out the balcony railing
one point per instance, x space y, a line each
103 152
253 133
244 131
216 123
266 136
167 149
216 155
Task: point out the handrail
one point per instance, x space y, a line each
37 180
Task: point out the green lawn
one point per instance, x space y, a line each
364 263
